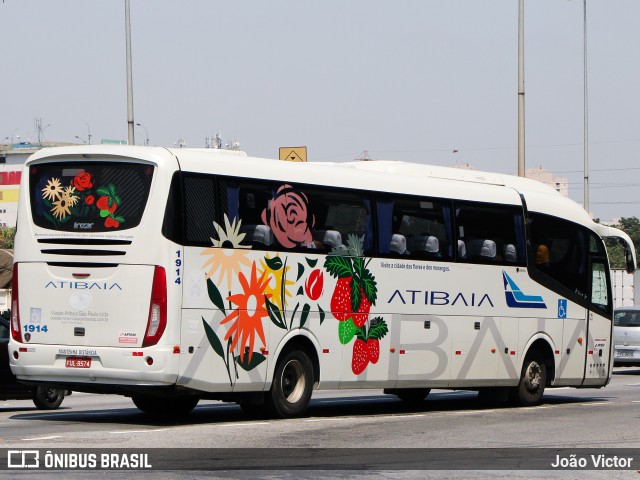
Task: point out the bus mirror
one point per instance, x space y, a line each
629 257
629 261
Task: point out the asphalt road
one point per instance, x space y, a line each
349 420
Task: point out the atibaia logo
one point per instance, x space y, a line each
517 299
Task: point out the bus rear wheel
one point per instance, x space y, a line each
165 407
292 385
533 379
47 398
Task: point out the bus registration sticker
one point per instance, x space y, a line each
78 362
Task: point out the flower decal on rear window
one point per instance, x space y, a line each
80 199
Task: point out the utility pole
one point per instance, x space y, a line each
586 116
521 170
127 22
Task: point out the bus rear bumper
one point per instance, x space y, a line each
79 365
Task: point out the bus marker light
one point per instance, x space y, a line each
513 352
176 349
149 361
137 354
590 352
580 340
458 352
557 352
80 275
402 352
392 350
493 350
325 350
15 354
22 349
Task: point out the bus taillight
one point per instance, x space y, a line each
157 309
15 312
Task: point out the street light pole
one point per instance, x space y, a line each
145 133
127 22
521 170
586 115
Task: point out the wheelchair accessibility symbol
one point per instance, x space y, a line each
562 308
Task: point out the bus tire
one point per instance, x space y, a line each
409 395
292 385
165 407
47 398
532 381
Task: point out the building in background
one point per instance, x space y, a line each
560 184
12 158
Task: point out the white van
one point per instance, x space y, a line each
626 336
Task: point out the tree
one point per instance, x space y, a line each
7 236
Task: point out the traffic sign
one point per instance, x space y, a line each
293 154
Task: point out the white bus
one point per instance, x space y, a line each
173 275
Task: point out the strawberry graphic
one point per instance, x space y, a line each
360 358
367 345
341 299
374 349
360 317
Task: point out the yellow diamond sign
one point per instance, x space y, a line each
293 154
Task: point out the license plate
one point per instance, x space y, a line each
623 353
78 362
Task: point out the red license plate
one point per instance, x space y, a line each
78 362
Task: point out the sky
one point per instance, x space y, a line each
428 81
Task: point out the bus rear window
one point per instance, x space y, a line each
89 196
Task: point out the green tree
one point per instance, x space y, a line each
7 236
631 226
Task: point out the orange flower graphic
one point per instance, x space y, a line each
247 317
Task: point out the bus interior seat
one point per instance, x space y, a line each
258 234
424 245
510 253
398 244
329 238
462 250
482 249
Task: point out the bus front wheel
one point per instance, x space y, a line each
292 385
532 381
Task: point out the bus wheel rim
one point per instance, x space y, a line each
293 381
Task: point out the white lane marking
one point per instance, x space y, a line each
244 424
141 431
40 438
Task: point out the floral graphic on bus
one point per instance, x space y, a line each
79 200
246 318
278 287
227 255
354 294
289 217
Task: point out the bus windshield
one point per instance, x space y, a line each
96 197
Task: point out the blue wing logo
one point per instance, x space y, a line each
517 299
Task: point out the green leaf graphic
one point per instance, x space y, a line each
275 315
300 271
346 331
321 311
378 329
274 263
338 266
256 359
213 339
356 294
305 314
214 296
311 261
369 286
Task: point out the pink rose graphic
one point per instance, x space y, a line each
287 214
